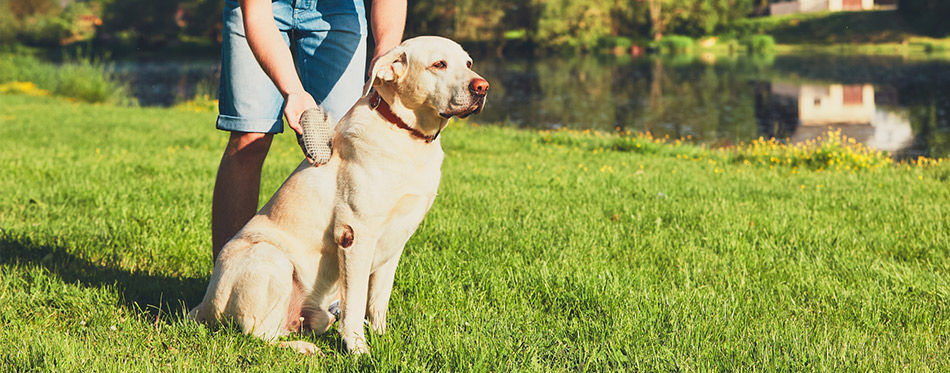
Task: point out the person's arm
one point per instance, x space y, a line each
388 20
275 59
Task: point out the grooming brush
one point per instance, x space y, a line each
317 135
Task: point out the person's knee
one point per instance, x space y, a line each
248 146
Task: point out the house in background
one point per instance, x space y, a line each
807 6
850 108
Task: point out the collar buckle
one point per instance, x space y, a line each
374 100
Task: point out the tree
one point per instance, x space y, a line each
713 15
695 18
576 23
48 22
665 12
929 16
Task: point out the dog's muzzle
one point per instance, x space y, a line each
478 88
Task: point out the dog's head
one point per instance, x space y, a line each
430 76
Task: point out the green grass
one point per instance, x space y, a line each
538 255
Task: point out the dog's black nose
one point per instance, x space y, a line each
479 87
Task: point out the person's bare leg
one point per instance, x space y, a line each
237 186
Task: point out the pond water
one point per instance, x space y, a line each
892 103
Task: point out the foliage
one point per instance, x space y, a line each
830 152
23 88
470 20
155 22
715 15
676 44
759 44
46 22
558 24
575 24
81 78
199 104
664 14
878 26
930 16
141 22
535 256
610 42
695 18
578 24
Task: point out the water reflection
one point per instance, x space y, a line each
165 83
887 102
851 109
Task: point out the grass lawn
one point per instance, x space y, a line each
543 252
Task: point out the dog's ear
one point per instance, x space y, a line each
388 68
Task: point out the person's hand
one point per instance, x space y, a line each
296 104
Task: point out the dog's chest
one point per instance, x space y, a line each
410 203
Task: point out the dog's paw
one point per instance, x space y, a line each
302 347
377 323
356 346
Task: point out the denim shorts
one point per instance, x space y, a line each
328 41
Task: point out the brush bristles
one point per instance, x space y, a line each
317 135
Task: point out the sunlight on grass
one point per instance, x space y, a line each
25 88
544 251
833 151
199 104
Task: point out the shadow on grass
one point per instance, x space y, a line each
155 293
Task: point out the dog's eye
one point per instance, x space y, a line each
468 64
439 65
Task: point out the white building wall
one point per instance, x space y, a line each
808 6
778 9
821 105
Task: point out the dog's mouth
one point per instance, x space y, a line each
463 112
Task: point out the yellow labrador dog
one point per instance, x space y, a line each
337 231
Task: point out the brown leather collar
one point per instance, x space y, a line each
382 107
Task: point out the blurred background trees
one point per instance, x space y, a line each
546 24
932 16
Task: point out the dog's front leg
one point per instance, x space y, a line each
356 246
380 289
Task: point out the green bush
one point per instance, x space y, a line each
675 44
759 44
83 79
48 22
932 46
615 42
